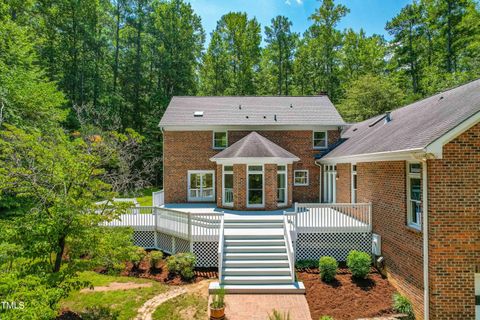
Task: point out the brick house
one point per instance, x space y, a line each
419 167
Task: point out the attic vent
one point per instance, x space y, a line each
440 98
239 107
355 129
388 117
291 105
198 114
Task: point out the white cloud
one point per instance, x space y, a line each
288 2
299 1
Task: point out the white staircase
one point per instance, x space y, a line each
257 256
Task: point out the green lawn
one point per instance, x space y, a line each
144 196
184 307
126 302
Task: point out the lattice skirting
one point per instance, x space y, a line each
206 253
145 239
312 246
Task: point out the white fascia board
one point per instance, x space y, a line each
436 147
408 154
251 127
254 161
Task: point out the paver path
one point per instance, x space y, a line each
114 286
259 306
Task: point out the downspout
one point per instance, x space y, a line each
426 291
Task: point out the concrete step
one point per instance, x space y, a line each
256 271
270 263
247 249
277 279
254 256
293 288
255 242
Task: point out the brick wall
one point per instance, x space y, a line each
454 222
191 150
384 185
343 183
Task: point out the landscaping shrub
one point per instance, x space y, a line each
302 264
401 304
359 263
99 313
327 267
326 318
155 257
276 315
182 264
138 256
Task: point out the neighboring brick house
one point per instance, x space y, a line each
419 166
246 153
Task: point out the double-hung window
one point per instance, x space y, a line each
320 139
282 185
201 185
300 178
414 195
220 140
227 185
255 184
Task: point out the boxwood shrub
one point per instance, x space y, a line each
182 264
327 267
359 263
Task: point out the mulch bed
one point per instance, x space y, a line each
160 273
347 298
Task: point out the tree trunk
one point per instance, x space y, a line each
59 254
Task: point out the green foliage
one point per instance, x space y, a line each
326 318
277 315
182 264
193 305
359 263
327 267
218 300
303 264
99 313
155 257
137 256
402 304
369 96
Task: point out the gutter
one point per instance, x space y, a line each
426 289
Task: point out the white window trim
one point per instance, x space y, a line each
301 184
353 194
263 186
326 140
226 204
213 139
409 175
284 172
212 199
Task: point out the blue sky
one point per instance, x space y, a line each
371 15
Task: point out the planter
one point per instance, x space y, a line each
217 314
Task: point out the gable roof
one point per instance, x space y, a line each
413 127
245 111
254 145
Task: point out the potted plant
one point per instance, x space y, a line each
217 306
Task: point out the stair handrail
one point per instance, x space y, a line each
220 248
290 251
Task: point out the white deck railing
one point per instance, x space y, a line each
290 251
333 217
158 198
220 250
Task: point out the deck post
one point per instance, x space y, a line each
155 235
190 231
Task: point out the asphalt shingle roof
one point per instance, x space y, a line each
254 145
317 110
414 126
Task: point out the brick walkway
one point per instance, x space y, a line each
259 306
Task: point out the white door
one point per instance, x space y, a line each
477 296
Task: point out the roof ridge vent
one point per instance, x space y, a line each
377 121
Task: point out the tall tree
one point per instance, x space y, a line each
240 38
280 50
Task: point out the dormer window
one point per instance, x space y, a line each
320 139
220 140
